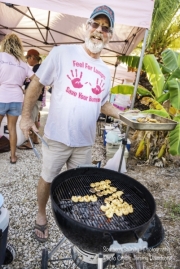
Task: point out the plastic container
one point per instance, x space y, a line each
4 131
111 134
112 148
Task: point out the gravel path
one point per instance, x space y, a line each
18 186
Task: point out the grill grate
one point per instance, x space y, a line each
90 213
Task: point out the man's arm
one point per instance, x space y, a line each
109 110
32 94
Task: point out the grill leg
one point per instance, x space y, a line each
100 261
44 262
56 247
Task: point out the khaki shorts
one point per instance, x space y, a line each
35 111
58 154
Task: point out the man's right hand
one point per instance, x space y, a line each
27 125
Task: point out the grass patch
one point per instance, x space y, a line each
174 209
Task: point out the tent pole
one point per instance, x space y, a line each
124 141
112 82
114 74
139 68
116 65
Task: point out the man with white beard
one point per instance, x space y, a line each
80 83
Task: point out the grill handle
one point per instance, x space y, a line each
128 247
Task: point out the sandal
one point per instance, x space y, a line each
24 147
41 228
13 162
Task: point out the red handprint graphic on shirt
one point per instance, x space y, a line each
98 88
76 81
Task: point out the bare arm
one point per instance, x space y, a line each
32 94
109 110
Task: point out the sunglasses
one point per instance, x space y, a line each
96 25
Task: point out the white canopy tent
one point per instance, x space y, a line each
43 24
49 23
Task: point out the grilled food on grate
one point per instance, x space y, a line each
86 198
114 204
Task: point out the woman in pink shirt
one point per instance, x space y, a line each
13 71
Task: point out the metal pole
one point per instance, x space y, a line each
124 141
114 74
139 69
116 65
56 247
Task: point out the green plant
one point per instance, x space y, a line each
165 81
174 209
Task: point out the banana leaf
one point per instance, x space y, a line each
164 69
163 97
171 59
129 89
175 74
174 138
161 113
130 61
144 92
154 74
174 90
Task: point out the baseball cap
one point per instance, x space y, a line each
32 52
105 10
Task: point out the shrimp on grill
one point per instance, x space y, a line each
107 181
109 213
87 198
74 199
93 198
105 207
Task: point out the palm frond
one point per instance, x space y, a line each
164 12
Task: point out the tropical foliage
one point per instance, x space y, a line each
161 94
165 81
165 28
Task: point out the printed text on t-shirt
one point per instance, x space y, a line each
87 66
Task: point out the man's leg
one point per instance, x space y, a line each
80 156
43 192
54 157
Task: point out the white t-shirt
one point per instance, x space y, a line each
81 86
12 76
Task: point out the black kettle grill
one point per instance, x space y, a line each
84 225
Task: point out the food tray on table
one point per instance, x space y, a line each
148 122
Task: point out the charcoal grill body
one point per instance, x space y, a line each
97 239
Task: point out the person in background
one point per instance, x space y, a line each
81 82
13 71
33 59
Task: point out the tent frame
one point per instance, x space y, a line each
49 31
